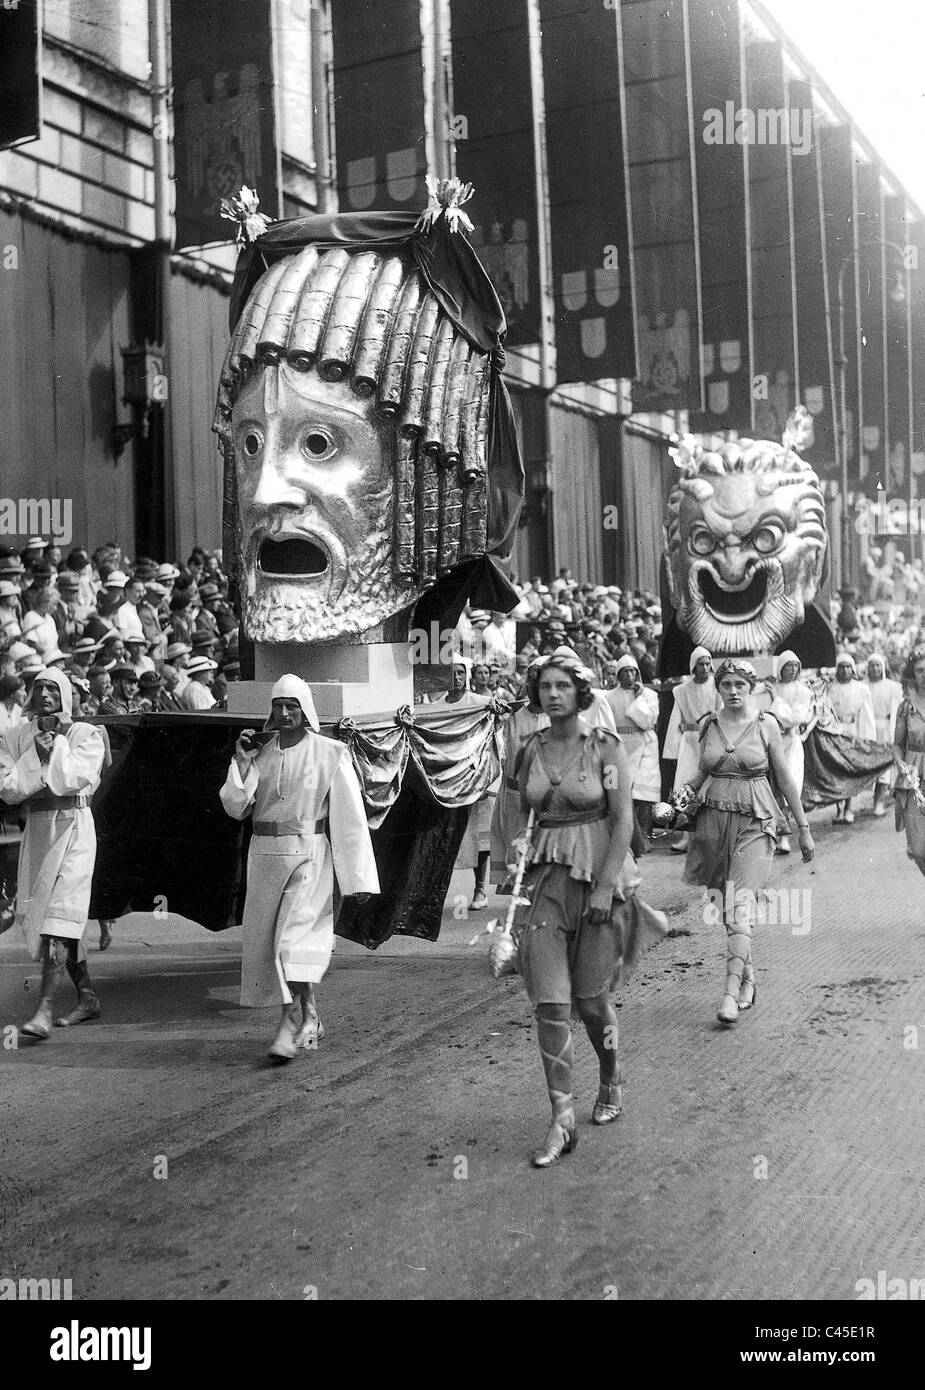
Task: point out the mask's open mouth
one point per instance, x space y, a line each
734 605
291 558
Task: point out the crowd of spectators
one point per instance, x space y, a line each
601 623
132 637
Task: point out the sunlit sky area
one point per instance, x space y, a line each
871 53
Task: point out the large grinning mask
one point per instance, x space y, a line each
746 542
354 418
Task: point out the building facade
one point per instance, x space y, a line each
685 228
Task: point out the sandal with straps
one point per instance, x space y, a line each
561 1139
609 1103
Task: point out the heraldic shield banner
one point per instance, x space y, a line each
225 129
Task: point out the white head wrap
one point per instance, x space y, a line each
846 659
697 655
786 659
624 662
294 688
53 676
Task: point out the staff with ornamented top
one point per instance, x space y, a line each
309 823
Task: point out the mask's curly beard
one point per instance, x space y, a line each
283 610
780 613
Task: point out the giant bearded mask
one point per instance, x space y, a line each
746 543
354 418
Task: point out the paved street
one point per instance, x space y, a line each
782 1160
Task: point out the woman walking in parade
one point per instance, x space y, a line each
909 757
739 824
579 881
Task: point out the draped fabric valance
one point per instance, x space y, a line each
163 836
457 754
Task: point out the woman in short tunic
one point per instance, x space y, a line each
909 757
579 881
736 833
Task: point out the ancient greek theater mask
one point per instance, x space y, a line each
354 420
315 498
746 542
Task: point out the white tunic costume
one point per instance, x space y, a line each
851 706
692 700
793 705
636 717
289 911
506 818
58 848
885 698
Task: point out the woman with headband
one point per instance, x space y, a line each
739 824
575 778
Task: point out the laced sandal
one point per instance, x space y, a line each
561 1139
479 901
609 1103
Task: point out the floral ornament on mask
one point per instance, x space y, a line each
446 200
243 210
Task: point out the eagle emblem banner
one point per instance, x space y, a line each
225 128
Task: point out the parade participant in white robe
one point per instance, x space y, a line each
635 711
885 698
850 701
693 698
792 703
475 849
298 785
521 725
52 773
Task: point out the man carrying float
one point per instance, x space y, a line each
51 766
309 825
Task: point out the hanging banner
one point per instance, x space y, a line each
492 123
379 105
897 303
838 190
817 384
716 85
587 193
658 139
20 73
774 384
225 129
916 257
872 438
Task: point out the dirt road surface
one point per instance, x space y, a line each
156 1153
